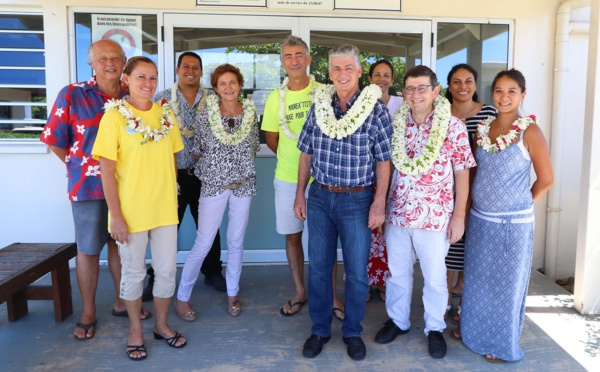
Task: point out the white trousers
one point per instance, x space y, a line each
210 216
163 245
404 245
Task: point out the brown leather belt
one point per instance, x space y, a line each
341 190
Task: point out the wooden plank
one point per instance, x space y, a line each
24 263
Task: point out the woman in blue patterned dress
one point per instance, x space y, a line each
499 242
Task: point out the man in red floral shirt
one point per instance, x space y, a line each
426 205
70 133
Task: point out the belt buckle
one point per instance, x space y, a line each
190 171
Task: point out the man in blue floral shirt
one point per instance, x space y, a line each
346 147
70 133
188 97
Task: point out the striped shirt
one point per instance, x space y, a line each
351 161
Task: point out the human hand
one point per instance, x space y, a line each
377 216
119 230
300 207
456 228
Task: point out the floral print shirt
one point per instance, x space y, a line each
426 201
221 164
73 124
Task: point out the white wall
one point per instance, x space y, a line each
572 154
30 184
33 196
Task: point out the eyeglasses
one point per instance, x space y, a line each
409 91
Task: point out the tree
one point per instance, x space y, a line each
320 62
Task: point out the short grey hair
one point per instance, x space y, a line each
344 50
293 40
90 52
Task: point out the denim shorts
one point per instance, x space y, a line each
91 225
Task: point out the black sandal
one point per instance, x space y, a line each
171 341
136 348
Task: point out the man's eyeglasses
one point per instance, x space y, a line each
409 91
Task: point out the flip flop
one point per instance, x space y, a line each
491 359
124 314
299 304
340 318
136 348
86 328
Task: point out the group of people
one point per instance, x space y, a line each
390 178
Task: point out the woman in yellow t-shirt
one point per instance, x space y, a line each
136 146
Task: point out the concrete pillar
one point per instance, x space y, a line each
587 273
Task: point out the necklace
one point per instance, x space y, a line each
503 141
429 154
215 121
137 125
283 122
174 102
354 118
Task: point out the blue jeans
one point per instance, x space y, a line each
330 216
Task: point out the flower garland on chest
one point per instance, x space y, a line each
503 141
354 118
439 127
137 125
174 102
283 122
215 121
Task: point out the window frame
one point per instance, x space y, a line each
25 104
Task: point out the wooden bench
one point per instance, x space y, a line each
22 264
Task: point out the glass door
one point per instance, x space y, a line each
252 44
404 43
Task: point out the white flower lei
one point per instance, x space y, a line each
174 102
503 141
420 164
216 122
283 123
137 125
354 118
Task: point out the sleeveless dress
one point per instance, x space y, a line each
456 253
498 253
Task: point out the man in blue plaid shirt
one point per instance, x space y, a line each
346 147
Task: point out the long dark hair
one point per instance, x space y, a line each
460 66
512 74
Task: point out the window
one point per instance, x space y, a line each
127 29
23 109
483 46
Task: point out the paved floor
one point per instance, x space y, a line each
555 337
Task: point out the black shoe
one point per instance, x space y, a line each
217 282
147 294
356 347
437 344
389 332
314 345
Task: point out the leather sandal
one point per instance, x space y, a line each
235 309
171 341
190 316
